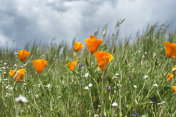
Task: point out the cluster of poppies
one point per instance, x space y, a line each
103 58
171 53
39 65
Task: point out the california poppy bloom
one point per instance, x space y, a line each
78 46
174 88
39 65
93 43
170 49
72 65
23 54
170 76
17 75
103 58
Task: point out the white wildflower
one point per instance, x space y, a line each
86 75
90 85
135 86
21 98
161 103
115 76
96 115
59 97
48 86
114 104
145 77
36 95
155 85
5 63
86 87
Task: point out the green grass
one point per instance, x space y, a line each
67 97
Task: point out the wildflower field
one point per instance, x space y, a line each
102 77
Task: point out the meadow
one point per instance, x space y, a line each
134 83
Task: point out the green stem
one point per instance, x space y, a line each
102 94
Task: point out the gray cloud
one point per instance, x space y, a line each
25 21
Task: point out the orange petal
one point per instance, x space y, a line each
93 44
170 49
103 58
170 76
174 88
23 54
78 46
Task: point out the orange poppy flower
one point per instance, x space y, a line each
174 88
93 44
17 75
72 65
23 54
170 49
103 58
78 46
170 76
39 65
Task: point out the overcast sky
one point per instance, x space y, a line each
28 20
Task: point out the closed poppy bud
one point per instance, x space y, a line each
17 75
78 46
93 44
39 65
174 88
23 54
170 49
170 76
103 58
72 65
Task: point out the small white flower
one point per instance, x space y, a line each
161 103
15 65
99 106
90 85
145 77
96 115
3 68
115 76
36 95
145 52
48 86
4 73
135 86
155 85
143 116
86 87
5 63
21 98
114 104
86 75
143 56
59 97
139 51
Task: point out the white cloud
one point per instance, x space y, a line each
25 20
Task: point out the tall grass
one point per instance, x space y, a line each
57 91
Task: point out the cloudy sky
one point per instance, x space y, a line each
28 20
